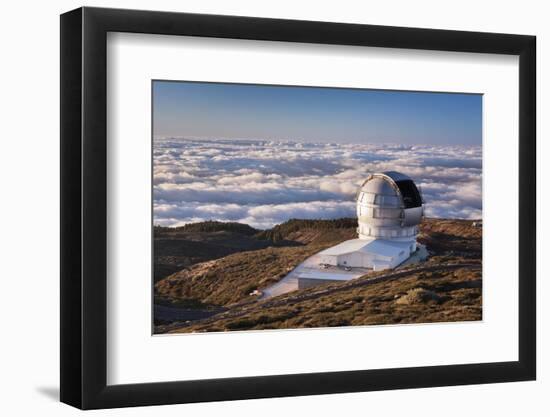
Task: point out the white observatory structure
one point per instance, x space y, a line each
389 206
389 210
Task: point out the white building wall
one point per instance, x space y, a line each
380 265
354 259
328 259
359 259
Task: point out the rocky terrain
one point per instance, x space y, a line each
208 273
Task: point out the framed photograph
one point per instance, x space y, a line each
259 208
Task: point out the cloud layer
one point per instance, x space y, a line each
263 183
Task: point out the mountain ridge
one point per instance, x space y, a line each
226 281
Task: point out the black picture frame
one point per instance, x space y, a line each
84 207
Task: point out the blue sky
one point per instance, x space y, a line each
311 114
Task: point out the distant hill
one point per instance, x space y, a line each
181 247
176 248
238 263
207 226
288 229
245 262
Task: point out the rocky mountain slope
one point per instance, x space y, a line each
446 288
451 293
181 247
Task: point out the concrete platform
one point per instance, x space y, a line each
309 274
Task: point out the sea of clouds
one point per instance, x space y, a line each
264 183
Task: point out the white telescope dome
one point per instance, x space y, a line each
389 206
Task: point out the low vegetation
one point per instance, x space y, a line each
232 278
451 237
182 247
226 281
419 298
288 229
207 226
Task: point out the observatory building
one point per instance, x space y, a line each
389 210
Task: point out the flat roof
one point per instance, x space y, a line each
336 276
382 247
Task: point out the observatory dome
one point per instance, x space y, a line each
389 206
389 209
